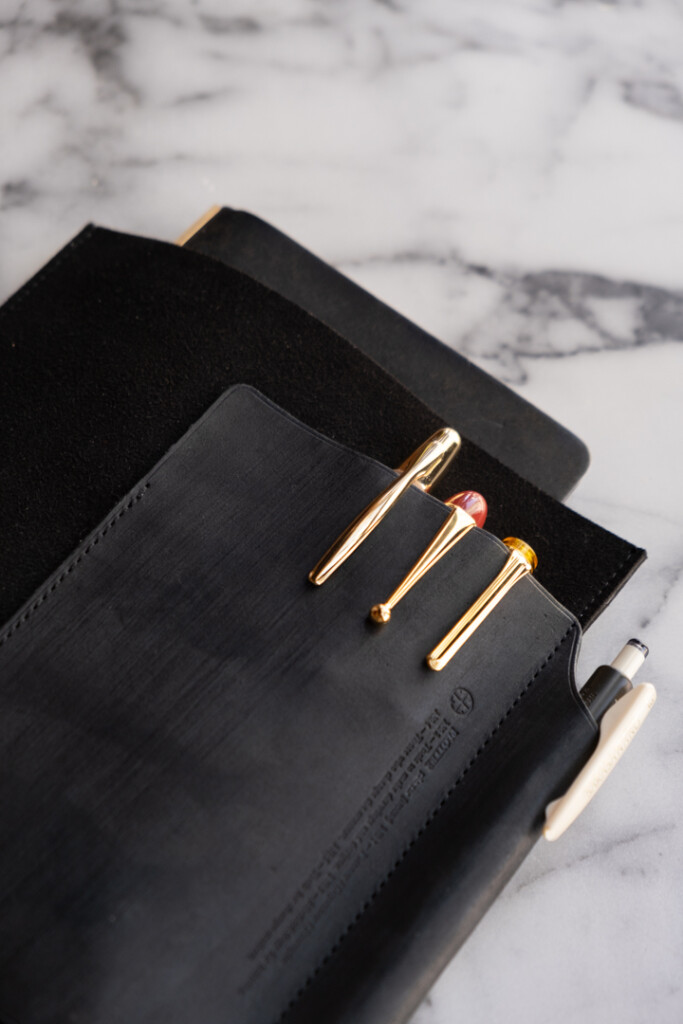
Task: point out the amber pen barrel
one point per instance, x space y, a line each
521 561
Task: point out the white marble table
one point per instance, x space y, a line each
508 174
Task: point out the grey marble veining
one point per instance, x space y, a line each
508 175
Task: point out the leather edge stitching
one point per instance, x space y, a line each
574 625
444 800
49 590
41 275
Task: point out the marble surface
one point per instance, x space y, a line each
508 175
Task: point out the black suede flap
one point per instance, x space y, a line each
216 774
488 413
120 344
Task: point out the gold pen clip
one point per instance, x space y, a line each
521 561
422 468
468 510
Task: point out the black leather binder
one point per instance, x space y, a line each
227 798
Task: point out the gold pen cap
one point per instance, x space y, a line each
468 509
422 468
520 562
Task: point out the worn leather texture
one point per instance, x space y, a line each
228 776
488 413
226 796
120 343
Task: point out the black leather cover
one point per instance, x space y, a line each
120 343
488 413
225 797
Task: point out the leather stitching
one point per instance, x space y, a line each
369 901
33 607
18 297
593 602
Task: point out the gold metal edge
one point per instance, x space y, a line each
198 225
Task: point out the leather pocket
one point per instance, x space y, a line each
231 777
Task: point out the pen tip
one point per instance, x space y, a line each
640 646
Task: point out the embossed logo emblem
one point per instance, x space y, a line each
462 701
